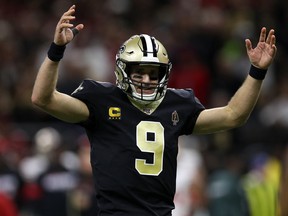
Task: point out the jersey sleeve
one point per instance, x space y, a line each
88 92
198 108
193 107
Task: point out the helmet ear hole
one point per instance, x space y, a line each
128 69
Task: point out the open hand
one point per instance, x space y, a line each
263 54
63 33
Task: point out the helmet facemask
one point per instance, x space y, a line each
134 53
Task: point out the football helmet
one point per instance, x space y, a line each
142 50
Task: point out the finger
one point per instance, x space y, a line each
73 7
274 49
66 25
262 35
77 29
270 35
70 10
66 19
68 15
273 46
273 40
248 45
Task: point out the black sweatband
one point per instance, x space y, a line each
257 73
56 52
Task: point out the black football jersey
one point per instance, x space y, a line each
133 154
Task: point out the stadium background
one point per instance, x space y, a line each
205 40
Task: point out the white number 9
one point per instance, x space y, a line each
150 138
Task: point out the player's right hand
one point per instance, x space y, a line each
63 33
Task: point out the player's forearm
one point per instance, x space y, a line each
45 83
243 102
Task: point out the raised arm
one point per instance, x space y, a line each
239 108
44 94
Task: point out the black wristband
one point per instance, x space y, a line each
56 52
257 73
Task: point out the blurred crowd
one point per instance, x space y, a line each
44 163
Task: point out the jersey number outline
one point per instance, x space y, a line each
150 138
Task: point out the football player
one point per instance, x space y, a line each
133 126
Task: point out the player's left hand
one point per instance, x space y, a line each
263 54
